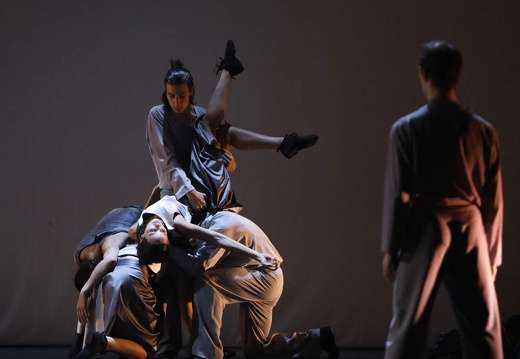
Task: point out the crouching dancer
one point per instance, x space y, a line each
128 317
233 262
123 306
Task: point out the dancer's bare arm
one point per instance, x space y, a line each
190 230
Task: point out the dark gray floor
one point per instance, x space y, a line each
62 352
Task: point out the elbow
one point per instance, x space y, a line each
220 241
132 233
111 262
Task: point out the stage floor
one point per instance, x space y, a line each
62 352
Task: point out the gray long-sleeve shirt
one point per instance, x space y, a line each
169 140
441 152
187 156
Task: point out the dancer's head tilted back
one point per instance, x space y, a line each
153 240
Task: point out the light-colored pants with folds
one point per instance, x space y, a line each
256 291
445 244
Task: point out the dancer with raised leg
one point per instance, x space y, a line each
169 131
180 149
226 277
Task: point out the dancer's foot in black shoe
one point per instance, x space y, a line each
170 354
230 62
328 343
98 345
76 347
86 352
293 143
228 353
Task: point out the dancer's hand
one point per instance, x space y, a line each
388 267
81 307
268 262
197 200
229 160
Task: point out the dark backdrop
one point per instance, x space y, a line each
78 79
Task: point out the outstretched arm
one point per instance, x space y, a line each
110 252
190 230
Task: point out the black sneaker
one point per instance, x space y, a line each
98 345
293 143
76 347
230 62
328 343
228 353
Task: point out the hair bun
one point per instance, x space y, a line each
176 64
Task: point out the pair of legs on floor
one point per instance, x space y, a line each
230 279
450 246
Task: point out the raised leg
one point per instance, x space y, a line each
217 107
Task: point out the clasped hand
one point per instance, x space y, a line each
197 200
268 262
